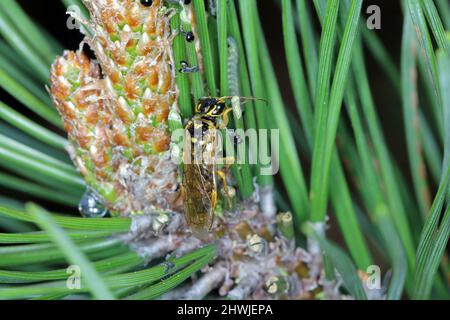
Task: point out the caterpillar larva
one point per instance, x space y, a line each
213 7
233 67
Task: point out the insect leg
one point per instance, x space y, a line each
227 190
222 175
225 119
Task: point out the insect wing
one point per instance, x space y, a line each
199 185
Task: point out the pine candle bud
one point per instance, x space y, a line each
117 119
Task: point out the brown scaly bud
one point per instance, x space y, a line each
117 120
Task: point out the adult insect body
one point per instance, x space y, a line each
200 188
200 162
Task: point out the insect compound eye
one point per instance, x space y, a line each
147 3
189 36
218 110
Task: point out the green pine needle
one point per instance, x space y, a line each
89 276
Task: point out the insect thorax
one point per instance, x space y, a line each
201 140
